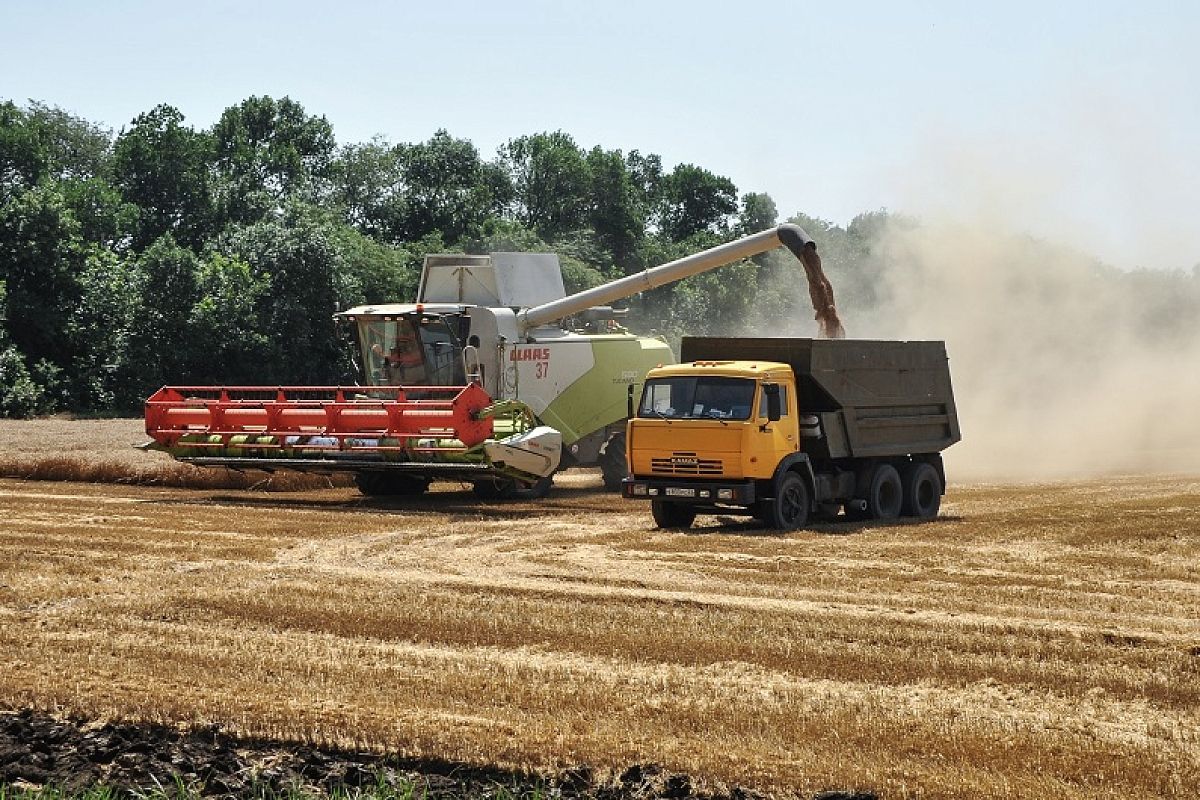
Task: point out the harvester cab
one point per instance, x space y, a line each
466 306
477 380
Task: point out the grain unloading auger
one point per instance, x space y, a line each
472 382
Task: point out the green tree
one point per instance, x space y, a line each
104 217
268 150
163 167
550 182
20 395
75 148
758 213
504 236
448 189
307 283
693 200
101 376
368 187
225 319
41 257
43 143
376 272
410 191
23 156
162 345
617 208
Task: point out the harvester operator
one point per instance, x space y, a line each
403 364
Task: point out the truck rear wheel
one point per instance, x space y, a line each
922 490
672 515
788 509
383 484
885 494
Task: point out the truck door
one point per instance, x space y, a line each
776 438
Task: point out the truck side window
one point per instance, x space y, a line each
783 403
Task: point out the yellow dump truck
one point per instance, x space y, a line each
791 429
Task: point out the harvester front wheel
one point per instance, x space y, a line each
506 489
672 515
383 484
612 463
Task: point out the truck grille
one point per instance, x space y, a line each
685 464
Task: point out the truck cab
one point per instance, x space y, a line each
712 419
710 434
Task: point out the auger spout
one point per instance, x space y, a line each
791 236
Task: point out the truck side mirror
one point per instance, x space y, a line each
774 412
629 402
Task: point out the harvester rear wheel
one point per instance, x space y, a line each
383 484
612 463
922 490
672 515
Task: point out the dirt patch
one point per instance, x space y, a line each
40 750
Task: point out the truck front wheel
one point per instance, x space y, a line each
672 515
788 509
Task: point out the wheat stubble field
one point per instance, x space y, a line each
1038 640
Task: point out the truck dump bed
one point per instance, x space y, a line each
873 398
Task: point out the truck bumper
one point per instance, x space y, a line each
740 493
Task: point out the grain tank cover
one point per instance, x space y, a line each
515 280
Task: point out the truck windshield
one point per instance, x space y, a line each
694 398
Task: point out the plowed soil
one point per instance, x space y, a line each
1036 640
38 750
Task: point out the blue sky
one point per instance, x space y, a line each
1077 121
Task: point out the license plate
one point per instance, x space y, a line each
676 491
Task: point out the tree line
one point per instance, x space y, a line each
166 253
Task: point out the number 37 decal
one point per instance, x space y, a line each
539 355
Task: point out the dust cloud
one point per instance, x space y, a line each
1062 367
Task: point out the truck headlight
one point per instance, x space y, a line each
724 494
653 492
705 493
640 489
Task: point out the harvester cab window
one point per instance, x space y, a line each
411 351
393 352
698 398
443 355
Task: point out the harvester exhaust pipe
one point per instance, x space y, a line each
791 236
